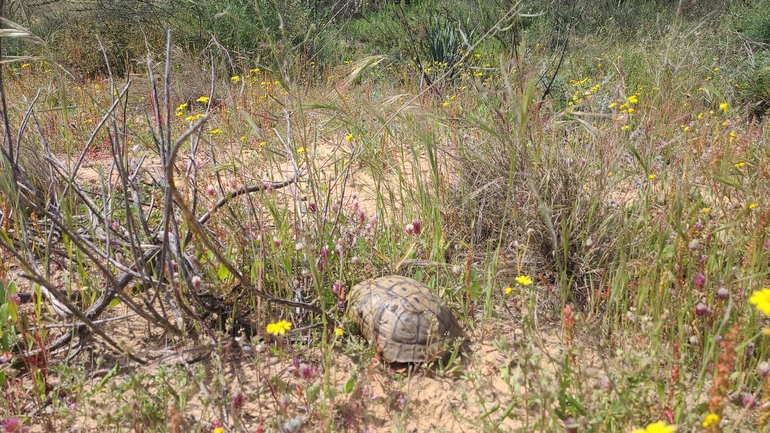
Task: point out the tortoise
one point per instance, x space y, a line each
404 317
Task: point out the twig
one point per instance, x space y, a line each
196 227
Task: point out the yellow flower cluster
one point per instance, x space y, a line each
710 419
657 427
761 300
278 328
524 280
180 110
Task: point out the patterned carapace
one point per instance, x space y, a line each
408 321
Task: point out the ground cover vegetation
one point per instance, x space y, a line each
189 190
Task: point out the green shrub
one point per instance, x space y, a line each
125 28
756 89
754 22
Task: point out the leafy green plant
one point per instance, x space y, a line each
448 43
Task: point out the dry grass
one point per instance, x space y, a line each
635 203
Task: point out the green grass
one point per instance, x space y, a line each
634 196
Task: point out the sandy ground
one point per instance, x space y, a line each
385 398
469 398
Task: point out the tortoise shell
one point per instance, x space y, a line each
403 316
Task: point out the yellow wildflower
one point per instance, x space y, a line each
706 210
349 137
652 176
219 430
216 131
278 328
633 99
710 419
181 107
243 138
613 105
724 107
761 300
189 118
686 129
203 100
339 332
235 78
301 150
524 280
631 110
658 427
753 205
508 290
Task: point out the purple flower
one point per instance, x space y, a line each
14 425
699 280
570 425
238 400
763 369
324 251
750 350
748 400
311 206
723 294
409 229
372 222
702 310
306 371
15 299
416 224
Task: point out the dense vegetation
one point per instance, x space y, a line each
586 183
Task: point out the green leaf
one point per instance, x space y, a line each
350 385
312 393
110 374
223 273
